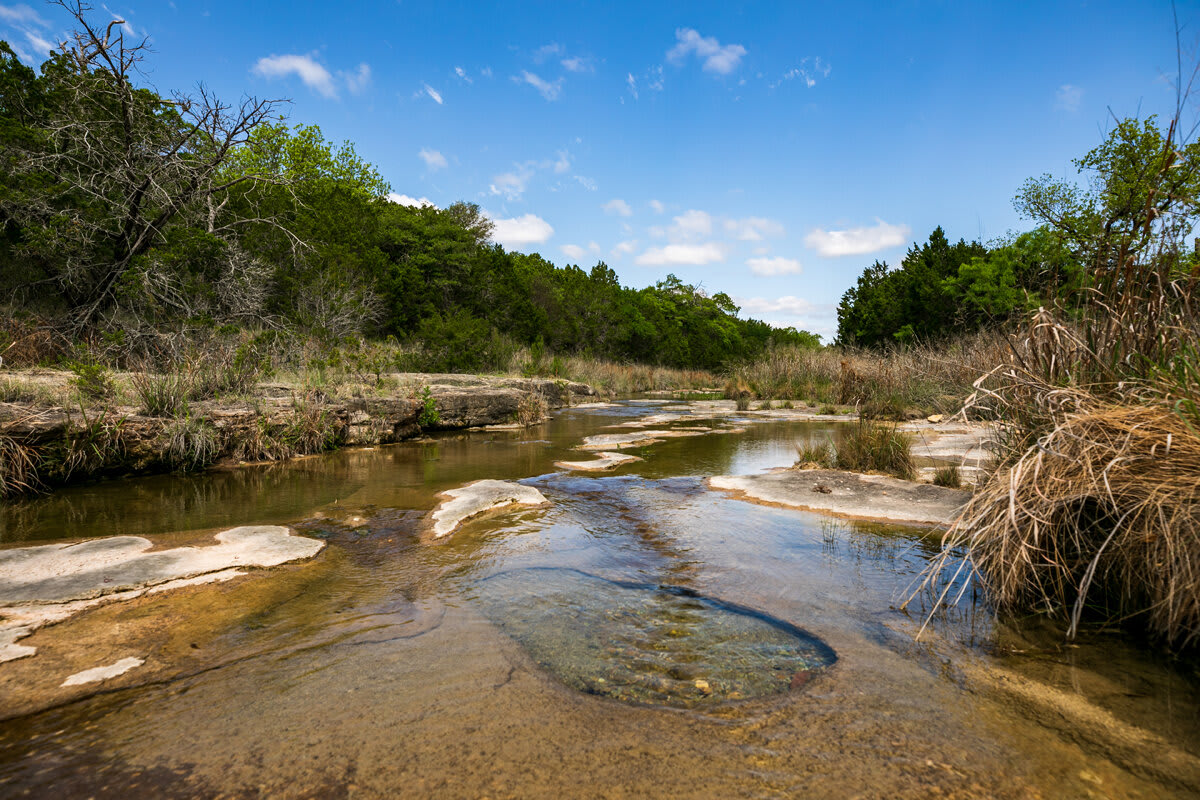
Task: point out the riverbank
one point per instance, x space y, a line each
50 436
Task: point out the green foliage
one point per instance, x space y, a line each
162 395
912 303
429 415
94 381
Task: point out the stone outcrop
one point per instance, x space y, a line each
849 494
119 440
480 497
45 584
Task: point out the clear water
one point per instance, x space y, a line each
387 667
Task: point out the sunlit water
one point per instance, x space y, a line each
642 636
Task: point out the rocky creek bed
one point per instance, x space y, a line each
558 587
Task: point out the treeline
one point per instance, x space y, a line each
127 216
1141 204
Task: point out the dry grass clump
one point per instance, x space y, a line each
1101 515
815 455
531 408
874 447
18 468
949 476
609 376
162 395
190 443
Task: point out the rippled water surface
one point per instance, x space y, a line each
642 636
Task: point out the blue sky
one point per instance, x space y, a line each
768 150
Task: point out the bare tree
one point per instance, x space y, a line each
112 166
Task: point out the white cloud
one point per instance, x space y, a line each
691 224
1068 98
314 76
753 229
547 51
521 231
657 207
40 44
771 267
682 255
717 58
631 82
593 247
20 14
432 158
562 163
486 72
577 64
415 202
585 182
858 241
433 94
550 90
357 81
573 251
617 206
654 78
510 184
462 73
625 248
794 306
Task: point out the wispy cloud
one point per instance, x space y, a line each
22 14
462 74
1068 98
691 224
625 248
562 163
306 68
573 251
358 80
718 58
432 158
631 82
753 229
617 206
416 202
577 64
521 231
678 255
550 90
434 95
858 241
772 267
810 70
656 206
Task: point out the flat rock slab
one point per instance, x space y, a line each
606 461
59 573
619 441
478 498
46 584
849 494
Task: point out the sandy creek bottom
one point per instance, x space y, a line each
386 667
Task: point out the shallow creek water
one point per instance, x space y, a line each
642 636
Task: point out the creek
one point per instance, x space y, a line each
641 636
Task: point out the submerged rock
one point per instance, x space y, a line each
45 584
478 498
649 644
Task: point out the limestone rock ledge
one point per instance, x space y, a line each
849 494
45 584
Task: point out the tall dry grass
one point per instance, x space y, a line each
889 384
1093 512
617 378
